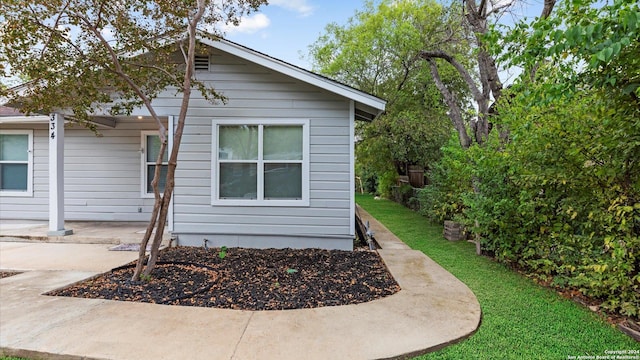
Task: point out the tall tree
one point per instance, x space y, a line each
79 54
377 51
482 77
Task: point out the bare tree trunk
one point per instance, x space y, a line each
490 85
162 204
455 114
154 214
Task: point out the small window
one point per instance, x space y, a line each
16 162
150 150
263 163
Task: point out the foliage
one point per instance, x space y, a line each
450 180
592 45
108 58
562 200
520 319
377 51
68 51
386 181
368 177
222 253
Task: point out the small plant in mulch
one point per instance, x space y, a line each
222 253
248 279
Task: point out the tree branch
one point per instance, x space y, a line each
429 55
455 114
548 8
162 131
52 30
153 67
497 9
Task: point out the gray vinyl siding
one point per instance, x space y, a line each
103 180
102 175
255 92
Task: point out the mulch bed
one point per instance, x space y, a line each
248 279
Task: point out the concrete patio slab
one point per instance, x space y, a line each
84 232
56 256
432 310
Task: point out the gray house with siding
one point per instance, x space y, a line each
274 167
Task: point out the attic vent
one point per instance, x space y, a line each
202 62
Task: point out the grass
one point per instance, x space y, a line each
520 319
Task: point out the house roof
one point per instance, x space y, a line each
367 106
9 111
9 114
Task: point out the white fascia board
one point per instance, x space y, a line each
24 119
296 73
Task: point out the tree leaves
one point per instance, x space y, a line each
377 51
593 44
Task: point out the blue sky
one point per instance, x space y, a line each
285 29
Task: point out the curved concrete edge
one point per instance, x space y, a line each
433 310
39 355
461 314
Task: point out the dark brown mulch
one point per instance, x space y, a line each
4 274
248 279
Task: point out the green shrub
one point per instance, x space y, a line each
449 181
386 182
562 199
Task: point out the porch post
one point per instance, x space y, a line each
56 176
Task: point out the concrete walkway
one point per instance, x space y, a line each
432 310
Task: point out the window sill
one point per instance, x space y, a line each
261 203
16 193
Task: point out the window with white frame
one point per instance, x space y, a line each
150 150
263 162
16 162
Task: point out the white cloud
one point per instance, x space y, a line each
249 25
300 6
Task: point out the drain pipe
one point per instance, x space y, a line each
174 240
370 240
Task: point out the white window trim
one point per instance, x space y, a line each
143 162
215 176
29 191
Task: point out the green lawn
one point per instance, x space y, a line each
520 319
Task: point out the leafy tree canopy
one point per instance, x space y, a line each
104 56
378 51
594 45
81 54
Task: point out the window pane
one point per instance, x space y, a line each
14 147
238 181
283 181
238 142
283 142
153 149
163 177
13 177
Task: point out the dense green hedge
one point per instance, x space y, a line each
561 200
